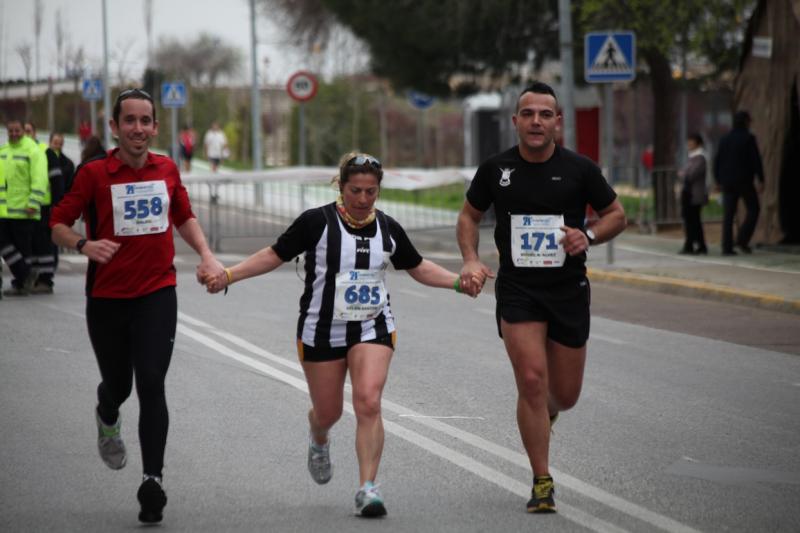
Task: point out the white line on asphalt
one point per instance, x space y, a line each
449 417
606 338
497 478
509 455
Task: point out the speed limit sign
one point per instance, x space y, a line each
302 86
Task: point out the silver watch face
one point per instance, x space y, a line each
590 234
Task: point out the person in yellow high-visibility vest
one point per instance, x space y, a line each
24 186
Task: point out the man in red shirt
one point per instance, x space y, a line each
130 200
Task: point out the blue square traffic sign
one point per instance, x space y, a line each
93 89
609 56
173 94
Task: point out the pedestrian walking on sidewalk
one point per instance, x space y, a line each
694 195
131 200
540 192
737 164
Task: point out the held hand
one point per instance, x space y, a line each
474 287
574 241
473 277
209 267
100 251
217 283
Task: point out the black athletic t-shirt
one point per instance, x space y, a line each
304 234
562 185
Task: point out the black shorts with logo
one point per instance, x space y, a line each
564 306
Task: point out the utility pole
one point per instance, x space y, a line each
106 82
567 74
255 92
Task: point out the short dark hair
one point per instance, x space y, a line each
127 94
741 119
55 133
696 137
538 87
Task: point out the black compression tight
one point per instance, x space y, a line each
135 336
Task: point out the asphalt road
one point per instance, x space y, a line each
683 424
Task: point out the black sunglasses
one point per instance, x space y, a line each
362 159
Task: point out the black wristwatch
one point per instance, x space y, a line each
80 244
590 235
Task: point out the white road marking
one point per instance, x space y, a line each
449 417
516 458
606 338
471 465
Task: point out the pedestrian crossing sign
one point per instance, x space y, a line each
610 56
93 89
173 94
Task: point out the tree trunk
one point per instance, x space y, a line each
664 98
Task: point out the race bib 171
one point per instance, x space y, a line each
535 240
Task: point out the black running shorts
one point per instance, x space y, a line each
311 354
565 308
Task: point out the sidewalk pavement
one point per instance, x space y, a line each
768 278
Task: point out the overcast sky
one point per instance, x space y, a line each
181 19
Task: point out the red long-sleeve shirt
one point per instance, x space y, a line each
125 205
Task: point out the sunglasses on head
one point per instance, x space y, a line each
129 93
362 159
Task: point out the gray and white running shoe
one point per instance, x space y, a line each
109 443
319 461
369 501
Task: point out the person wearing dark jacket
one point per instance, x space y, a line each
737 162
60 169
694 195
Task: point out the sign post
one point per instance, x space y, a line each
421 101
93 93
173 96
302 87
609 56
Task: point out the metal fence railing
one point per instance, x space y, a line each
229 208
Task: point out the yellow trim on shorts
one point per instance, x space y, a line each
300 354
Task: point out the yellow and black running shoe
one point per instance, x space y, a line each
542 496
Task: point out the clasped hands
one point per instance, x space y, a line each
211 273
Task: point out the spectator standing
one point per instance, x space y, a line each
694 195
215 145
737 163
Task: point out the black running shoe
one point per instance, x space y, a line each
542 496
152 499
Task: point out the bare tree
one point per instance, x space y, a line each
37 30
24 51
60 35
75 62
308 23
203 60
148 28
120 55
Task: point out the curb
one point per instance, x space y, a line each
697 289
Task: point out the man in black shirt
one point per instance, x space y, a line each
540 192
737 162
